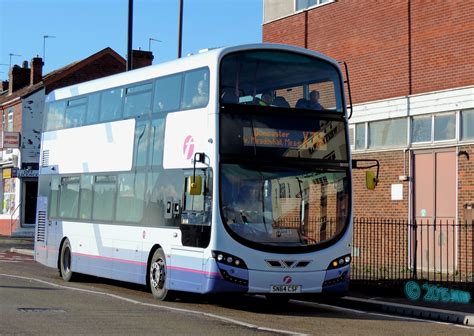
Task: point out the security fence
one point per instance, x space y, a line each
440 252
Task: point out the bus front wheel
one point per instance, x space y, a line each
157 276
65 262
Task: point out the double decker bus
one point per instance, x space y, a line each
213 173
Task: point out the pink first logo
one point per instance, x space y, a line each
287 280
188 147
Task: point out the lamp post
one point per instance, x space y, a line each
180 28
44 45
130 36
149 42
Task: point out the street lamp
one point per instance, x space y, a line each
11 55
180 27
149 42
44 45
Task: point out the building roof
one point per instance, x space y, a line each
58 74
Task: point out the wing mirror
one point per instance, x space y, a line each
195 182
194 185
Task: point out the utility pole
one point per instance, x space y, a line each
180 28
130 35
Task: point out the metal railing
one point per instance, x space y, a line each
397 250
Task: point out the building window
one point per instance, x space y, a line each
10 120
467 122
303 4
445 127
421 129
388 133
360 136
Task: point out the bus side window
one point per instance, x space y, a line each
104 192
167 93
55 115
85 210
196 89
93 108
141 143
53 201
111 105
157 132
76 112
137 100
69 197
130 197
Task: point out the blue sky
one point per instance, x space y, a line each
83 27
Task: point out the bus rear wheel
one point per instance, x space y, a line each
158 275
65 258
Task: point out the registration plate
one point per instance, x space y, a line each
285 289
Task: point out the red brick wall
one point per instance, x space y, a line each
373 38
378 202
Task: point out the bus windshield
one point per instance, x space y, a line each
280 79
284 171
284 207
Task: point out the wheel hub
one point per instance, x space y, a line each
157 274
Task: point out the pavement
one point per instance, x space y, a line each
369 297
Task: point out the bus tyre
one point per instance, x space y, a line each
65 262
157 276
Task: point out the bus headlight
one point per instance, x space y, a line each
232 268
340 262
228 259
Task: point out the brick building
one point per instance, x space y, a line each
21 107
411 67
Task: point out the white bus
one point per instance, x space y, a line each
218 172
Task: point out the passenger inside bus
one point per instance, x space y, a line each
266 99
229 96
202 95
281 102
312 103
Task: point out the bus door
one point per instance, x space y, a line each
187 260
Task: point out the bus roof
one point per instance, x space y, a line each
207 58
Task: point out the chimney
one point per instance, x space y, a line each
141 58
36 65
19 77
4 86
